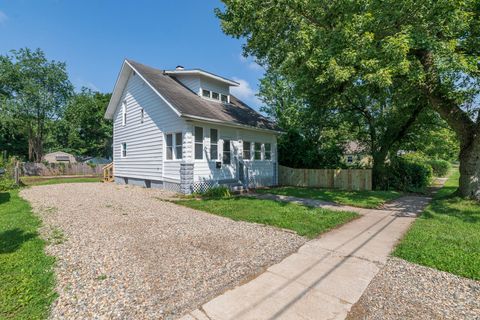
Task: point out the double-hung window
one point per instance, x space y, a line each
268 151
247 153
178 145
169 146
124 149
198 143
227 158
174 146
213 144
258 151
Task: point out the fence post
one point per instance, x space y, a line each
16 173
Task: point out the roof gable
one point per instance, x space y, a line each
186 103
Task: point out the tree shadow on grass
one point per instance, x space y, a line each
12 240
447 204
4 197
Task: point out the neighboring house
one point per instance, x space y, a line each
96 160
356 155
182 130
59 157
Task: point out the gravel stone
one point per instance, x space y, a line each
403 290
124 253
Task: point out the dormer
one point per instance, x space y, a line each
205 84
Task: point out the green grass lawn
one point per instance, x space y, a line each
363 199
36 181
26 273
306 221
447 235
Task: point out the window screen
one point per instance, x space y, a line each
198 143
258 151
213 144
268 151
169 146
178 145
226 159
247 153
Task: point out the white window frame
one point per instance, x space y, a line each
195 143
255 151
215 143
123 150
265 151
209 93
174 145
249 150
227 100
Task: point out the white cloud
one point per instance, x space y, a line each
245 92
250 63
3 17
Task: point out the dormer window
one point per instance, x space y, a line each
206 93
224 98
215 95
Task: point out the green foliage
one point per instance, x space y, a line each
407 175
26 272
447 235
362 199
6 180
297 151
82 129
36 181
441 168
306 221
34 92
216 192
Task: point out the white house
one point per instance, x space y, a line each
182 130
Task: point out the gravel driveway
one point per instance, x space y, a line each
403 290
123 253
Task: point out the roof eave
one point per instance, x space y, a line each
203 73
229 124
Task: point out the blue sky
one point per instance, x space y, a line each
93 38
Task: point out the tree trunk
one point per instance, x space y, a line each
379 169
469 183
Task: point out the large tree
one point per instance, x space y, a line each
82 129
34 92
430 47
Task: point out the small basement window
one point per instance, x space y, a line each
206 93
258 151
124 149
247 150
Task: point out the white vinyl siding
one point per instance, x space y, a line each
192 82
144 140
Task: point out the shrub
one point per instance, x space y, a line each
217 192
6 180
405 174
440 167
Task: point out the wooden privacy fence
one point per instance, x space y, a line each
60 169
344 179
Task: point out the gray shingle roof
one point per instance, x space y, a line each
189 104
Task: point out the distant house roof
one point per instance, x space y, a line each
188 104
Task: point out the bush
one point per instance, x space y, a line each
7 184
440 167
405 174
6 180
217 192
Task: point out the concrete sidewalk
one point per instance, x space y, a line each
326 276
